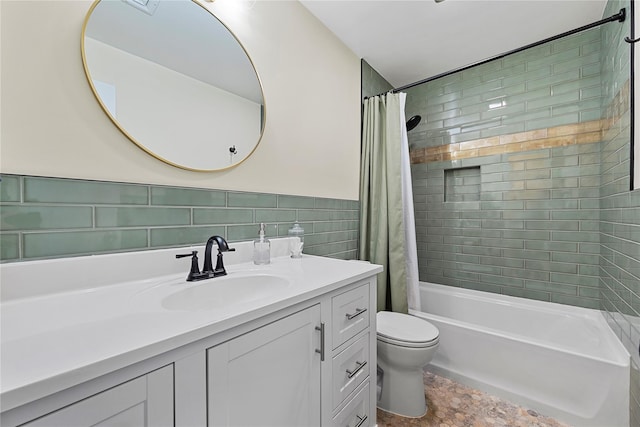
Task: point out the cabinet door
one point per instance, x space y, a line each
144 401
269 376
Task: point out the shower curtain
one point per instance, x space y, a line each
387 225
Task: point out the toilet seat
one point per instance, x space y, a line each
405 330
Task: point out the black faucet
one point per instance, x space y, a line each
223 246
208 271
194 273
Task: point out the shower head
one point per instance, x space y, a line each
413 122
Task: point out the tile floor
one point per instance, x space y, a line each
454 405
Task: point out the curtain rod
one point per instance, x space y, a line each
620 17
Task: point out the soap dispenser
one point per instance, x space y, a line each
261 248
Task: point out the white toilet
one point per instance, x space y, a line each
405 345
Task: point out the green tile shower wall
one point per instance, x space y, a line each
533 230
554 84
50 217
372 83
620 208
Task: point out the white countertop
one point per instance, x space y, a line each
53 341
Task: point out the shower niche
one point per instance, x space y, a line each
462 184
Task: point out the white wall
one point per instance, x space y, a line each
53 126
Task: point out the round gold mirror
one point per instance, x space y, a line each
174 80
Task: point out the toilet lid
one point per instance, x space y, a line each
405 328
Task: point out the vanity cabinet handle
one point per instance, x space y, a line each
321 350
359 366
358 312
361 420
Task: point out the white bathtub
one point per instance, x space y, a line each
559 360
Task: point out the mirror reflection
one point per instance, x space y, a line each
174 80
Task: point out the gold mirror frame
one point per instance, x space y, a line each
144 147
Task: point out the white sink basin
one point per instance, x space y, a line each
223 291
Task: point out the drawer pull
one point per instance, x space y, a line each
358 312
361 420
359 366
321 350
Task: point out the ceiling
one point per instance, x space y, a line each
408 41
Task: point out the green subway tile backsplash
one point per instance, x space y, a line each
50 217
327 215
296 202
322 203
223 216
48 190
252 200
174 236
9 246
22 217
275 215
168 196
237 233
10 189
135 217
60 243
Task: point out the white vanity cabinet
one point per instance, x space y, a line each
305 358
269 376
146 401
353 357
310 368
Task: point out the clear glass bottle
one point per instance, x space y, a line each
261 248
296 240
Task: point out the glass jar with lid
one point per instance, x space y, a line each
296 240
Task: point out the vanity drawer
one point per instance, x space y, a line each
350 312
356 412
350 368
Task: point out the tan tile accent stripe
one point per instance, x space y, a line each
558 136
